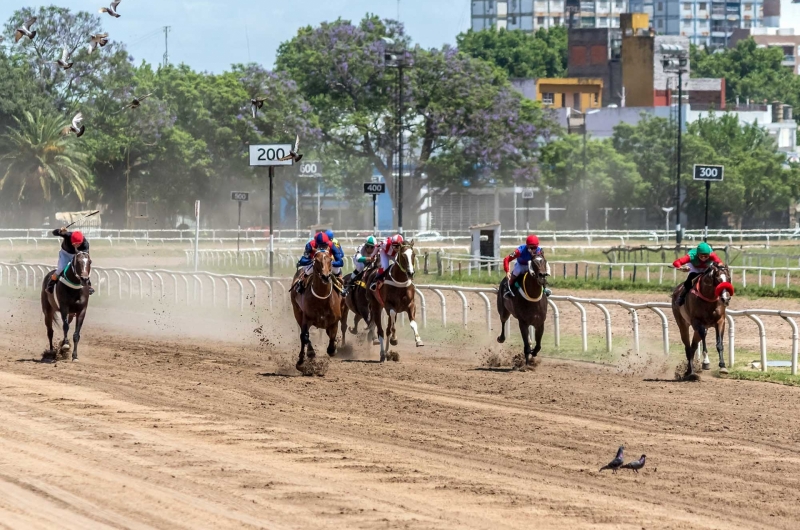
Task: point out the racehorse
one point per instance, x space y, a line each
395 294
356 302
70 298
528 305
320 305
704 308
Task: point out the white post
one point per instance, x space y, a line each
196 233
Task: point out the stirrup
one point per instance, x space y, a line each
547 292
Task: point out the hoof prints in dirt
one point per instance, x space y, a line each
680 370
317 366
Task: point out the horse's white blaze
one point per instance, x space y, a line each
723 277
410 259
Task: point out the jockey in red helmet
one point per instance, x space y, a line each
71 244
388 254
522 254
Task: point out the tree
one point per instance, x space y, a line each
461 118
41 158
519 53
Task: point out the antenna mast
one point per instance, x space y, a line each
167 29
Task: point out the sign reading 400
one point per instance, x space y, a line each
269 155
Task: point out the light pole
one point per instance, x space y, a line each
676 60
574 124
666 227
395 58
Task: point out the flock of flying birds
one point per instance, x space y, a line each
100 40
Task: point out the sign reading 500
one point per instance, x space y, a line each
269 155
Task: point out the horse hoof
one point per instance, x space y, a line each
66 347
353 331
331 352
393 342
691 377
723 370
501 340
299 366
74 359
375 342
383 357
706 366
420 344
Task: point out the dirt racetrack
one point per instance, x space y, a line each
181 420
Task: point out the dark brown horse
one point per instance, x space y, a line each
320 305
528 306
395 294
704 308
357 302
70 298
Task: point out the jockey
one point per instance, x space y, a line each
522 254
365 254
338 254
698 260
71 244
388 253
320 243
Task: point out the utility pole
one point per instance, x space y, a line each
167 29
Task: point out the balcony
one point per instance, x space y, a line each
789 60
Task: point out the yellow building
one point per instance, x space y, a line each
579 93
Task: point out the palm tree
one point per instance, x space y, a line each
39 156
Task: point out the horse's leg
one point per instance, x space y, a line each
538 331
49 315
77 336
703 331
303 341
378 322
412 314
356 319
525 332
343 322
391 328
691 352
65 345
504 315
720 332
332 339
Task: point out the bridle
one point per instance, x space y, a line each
325 278
722 287
534 269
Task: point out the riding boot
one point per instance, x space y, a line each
300 286
547 292
682 297
511 281
91 289
51 283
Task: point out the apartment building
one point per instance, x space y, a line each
530 15
704 22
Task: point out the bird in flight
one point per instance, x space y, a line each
293 155
615 464
112 9
75 126
636 465
137 102
25 30
64 62
257 103
99 39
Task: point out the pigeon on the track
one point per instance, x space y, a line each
293 155
112 9
99 39
25 30
615 464
636 465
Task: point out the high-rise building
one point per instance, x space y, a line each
530 15
704 22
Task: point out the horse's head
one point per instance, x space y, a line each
82 265
537 267
717 278
406 257
322 266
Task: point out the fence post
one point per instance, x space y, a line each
635 324
762 336
444 306
607 318
488 311
556 323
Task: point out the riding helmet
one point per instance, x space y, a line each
704 248
370 241
397 239
532 240
76 238
330 235
322 239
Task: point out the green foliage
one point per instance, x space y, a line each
518 53
749 72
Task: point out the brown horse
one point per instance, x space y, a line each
528 306
704 308
395 294
320 305
356 302
70 298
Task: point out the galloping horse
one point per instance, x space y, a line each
395 295
320 305
528 305
70 298
704 308
356 301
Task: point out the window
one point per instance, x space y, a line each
556 21
596 97
687 23
702 6
702 23
618 5
687 6
602 22
660 23
748 7
548 98
661 6
540 21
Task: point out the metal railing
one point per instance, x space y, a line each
168 286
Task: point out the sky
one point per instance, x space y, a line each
211 35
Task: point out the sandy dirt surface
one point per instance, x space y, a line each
187 421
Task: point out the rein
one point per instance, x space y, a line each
524 291
330 292
718 290
63 279
389 280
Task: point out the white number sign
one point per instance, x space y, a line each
269 155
